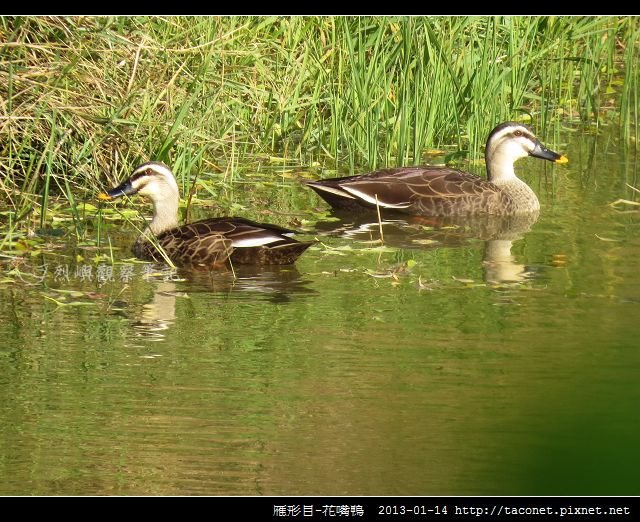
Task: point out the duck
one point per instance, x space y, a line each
446 192
206 244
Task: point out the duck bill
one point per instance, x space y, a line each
124 189
540 151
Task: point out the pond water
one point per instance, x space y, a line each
451 360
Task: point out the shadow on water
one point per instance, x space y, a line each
275 285
410 232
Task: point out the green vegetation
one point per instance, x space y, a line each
85 99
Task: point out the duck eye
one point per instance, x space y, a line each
518 133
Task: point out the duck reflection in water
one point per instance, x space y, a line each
410 232
277 285
158 315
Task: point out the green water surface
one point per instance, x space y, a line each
442 364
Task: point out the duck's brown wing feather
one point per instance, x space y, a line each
244 232
194 245
211 242
413 189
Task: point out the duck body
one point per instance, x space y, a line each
443 191
431 191
209 243
213 242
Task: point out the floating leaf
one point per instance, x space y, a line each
602 238
381 275
462 280
381 248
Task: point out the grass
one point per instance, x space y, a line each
85 99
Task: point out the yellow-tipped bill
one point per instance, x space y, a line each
104 196
562 159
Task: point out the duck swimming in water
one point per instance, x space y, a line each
209 243
443 191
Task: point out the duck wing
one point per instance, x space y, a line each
259 243
402 188
195 244
213 241
244 233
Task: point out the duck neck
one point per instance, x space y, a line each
499 166
165 215
500 172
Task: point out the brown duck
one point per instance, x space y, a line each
209 243
443 191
